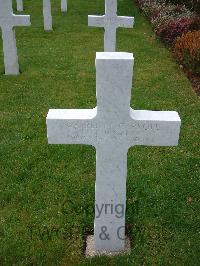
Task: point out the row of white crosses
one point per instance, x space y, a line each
110 21
21 8
63 5
46 11
8 21
112 127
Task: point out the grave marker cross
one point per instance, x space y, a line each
64 5
110 22
112 128
7 23
47 15
20 5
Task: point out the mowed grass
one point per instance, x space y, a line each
47 192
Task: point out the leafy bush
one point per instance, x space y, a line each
187 50
168 32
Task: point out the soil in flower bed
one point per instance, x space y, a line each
195 80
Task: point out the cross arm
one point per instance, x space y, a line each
72 126
21 20
155 128
125 22
96 21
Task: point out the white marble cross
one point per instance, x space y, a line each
64 5
110 22
112 128
20 5
7 23
47 15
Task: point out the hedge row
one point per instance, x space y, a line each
178 27
192 4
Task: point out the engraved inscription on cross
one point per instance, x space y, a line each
7 23
110 22
112 128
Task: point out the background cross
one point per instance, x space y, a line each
64 5
7 23
20 5
47 15
110 22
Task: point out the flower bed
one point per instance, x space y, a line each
192 4
179 28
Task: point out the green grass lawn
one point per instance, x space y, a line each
47 192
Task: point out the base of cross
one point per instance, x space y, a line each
91 252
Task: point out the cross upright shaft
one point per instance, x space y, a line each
7 23
114 94
47 15
64 5
111 7
112 128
